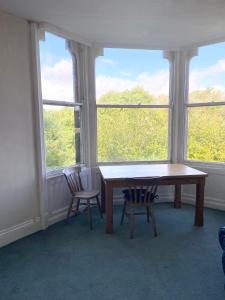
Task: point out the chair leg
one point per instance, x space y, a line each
132 222
99 207
153 220
147 209
123 212
89 213
78 204
69 210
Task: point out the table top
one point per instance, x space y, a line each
148 170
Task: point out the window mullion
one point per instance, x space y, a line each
131 106
61 103
199 104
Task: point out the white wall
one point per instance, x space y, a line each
214 187
19 204
58 195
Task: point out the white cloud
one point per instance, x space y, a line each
155 84
106 61
105 84
124 73
57 82
207 77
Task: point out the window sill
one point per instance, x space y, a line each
133 163
58 172
210 167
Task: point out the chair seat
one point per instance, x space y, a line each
86 194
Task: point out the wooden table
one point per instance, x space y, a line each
170 174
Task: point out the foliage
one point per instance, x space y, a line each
206 127
138 133
206 134
207 95
135 96
131 133
59 137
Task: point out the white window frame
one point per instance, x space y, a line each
170 57
200 163
75 50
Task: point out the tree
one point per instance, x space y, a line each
128 134
59 137
131 133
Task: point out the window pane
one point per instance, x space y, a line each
56 69
207 74
59 136
206 134
135 134
125 76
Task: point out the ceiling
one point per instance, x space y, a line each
163 24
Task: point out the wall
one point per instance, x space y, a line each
214 187
59 197
19 205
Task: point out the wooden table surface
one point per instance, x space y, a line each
149 170
170 174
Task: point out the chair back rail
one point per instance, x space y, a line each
141 190
73 179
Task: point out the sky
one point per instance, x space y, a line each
122 69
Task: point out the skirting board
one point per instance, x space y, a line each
19 231
59 215
16 232
30 226
210 202
118 199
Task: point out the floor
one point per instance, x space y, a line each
68 261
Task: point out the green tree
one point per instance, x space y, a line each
207 95
59 137
131 133
125 134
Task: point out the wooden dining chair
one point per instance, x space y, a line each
139 192
78 193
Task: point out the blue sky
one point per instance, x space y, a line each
53 46
121 69
130 63
209 55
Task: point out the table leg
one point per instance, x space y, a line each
177 200
109 208
199 206
102 195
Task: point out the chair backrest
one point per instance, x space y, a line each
73 179
141 190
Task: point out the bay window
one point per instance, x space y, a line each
61 102
133 107
205 108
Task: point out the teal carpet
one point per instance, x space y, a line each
68 261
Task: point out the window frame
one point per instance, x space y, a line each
187 104
74 49
170 107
